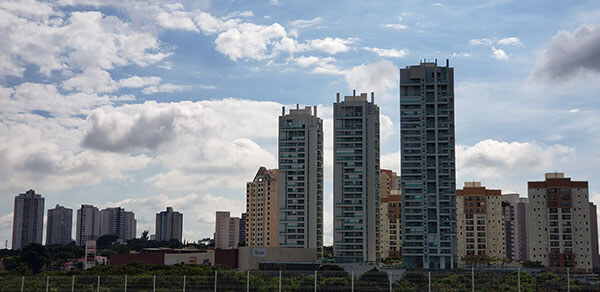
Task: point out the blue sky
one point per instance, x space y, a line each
146 104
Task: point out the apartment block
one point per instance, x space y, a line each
117 221
169 225
243 221
88 224
514 227
390 227
558 217
262 208
28 219
60 226
428 166
479 223
594 236
227 230
300 179
356 179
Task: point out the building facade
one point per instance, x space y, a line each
169 225
558 217
88 224
262 208
28 219
300 179
390 227
514 227
356 179
227 231
594 237
60 226
479 224
243 221
117 221
428 166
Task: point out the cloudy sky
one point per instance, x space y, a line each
146 104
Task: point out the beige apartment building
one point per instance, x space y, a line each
262 209
479 223
559 223
227 230
390 226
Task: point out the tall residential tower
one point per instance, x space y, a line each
60 225
28 219
428 166
262 208
169 225
88 224
300 179
356 179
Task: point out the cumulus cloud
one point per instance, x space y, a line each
569 54
137 81
397 26
391 161
304 23
484 41
322 65
330 45
388 53
92 80
499 54
250 41
510 41
166 87
376 77
492 158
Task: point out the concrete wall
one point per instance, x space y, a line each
198 258
249 258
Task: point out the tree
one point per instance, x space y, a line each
35 256
144 236
105 241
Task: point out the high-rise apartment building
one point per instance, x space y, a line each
243 220
514 227
479 223
594 237
227 230
428 166
300 179
60 226
88 224
169 225
390 227
356 179
558 218
28 219
262 208
117 221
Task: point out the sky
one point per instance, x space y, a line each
146 104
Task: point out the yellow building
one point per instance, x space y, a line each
262 209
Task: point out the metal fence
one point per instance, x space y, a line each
421 281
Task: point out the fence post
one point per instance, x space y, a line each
248 281
390 277
125 283
568 281
279 280
473 279
352 283
315 280
73 284
519 278
22 283
47 282
154 283
429 280
183 283
215 280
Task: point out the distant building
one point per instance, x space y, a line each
514 227
558 217
28 219
428 167
169 225
117 221
300 179
356 179
262 207
88 224
243 221
227 230
479 223
390 230
60 226
594 236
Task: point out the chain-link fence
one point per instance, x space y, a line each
394 280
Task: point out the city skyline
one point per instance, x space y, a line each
213 76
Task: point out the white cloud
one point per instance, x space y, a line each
569 54
376 77
391 161
437 4
510 41
138 82
165 87
388 53
466 55
492 158
330 45
250 41
321 65
484 42
304 23
499 54
91 81
397 26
